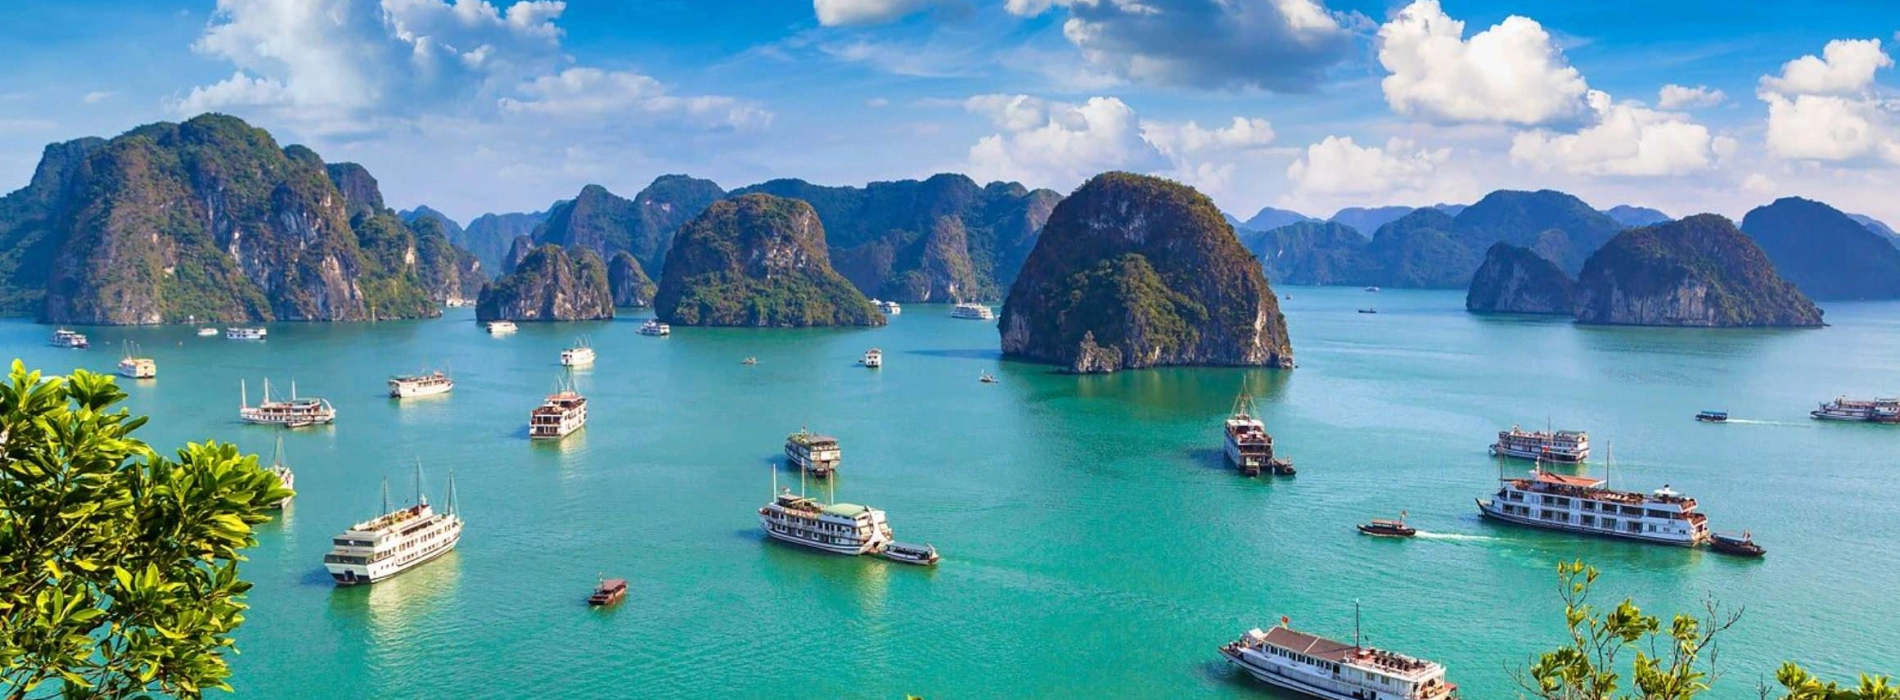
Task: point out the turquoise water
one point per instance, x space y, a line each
1094 543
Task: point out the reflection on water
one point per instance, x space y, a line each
396 612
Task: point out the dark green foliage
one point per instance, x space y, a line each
1154 271
879 235
1308 252
29 223
1521 218
757 260
606 223
118 566
442 270
550 284
1418 250
1697 271
1518 280
362 195
1826 253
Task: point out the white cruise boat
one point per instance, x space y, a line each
137 367
1861 410
840 528
245 333
294 413
1582 505
394 542
500 327
873 358
974 312
1570 446
283 474
814 454
562 413
890 308
655 328
425 384
578 356
1317 667
63 338
207 332
1248 446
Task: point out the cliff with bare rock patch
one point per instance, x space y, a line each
757 260
1518 280
1697 271
550 284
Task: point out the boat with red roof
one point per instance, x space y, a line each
1582 504
610 591
1314 666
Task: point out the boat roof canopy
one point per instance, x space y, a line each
1583 481
849 510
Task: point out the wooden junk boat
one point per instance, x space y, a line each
1742 545
1248 446
608 592
1381 527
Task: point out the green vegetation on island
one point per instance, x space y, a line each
1518 280
551 284
1825 252
1696 271
757 260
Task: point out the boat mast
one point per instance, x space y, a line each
451 492
421 500
277 455
1355 625
385 494
244 396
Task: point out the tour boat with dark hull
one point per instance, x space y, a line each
293 413
919 554
1742 545
1568 446
1859 410
558 416
814 454
608 592
72 340
426 384
394 542
1316 667
1248 446
1581 504
1381 527
1712 416
839 528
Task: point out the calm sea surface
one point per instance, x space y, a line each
1094 543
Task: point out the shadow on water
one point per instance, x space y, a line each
960 354
1209 457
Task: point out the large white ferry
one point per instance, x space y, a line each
63 338
562 413
814 454
1862 410
653 327
578 356
1317 667
395 541
426 384
131 365
1581 504
873 358
974 312
294 413
245 333
1551 446
841 528
500 327
1249 447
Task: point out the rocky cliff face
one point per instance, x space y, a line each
1825 252
1517 280
1149 271
1697 271
630 284
1308 252
448 274
644 226
550 284
32 222
490 236
899 240
757 260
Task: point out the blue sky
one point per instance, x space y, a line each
473 106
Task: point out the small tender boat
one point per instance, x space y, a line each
1368 311
921 555
63 338
873 358
1381 527
972 312
749 361
608 592
500 327
207 332
578 356
1712 416
1742 545
245 333
1281 467
987 378
653 327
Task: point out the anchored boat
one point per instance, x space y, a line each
294 413
74 340
814 454
500 327
414 385
890 308
653 327
873 358
1316 667
1569 446
131 365
1248 446
558 416
972 312
578 356
1742 545
608 592
1860 410
396 541
283 473
245 333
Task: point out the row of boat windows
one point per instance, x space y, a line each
1564 502
1299 658
1556 516
823 526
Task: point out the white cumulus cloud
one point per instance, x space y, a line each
833 13
1511 73
591 92
1627 139
1278 45
1845 66
1191 139
1824 108
1674 96
1339 166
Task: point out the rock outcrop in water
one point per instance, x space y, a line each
1697 271
1825 252
630 284
550 284
1517 280
757 260
1149 271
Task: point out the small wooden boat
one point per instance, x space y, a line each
986 378
1712 416
1281 467
1742 545
921 555
1381 527
610 591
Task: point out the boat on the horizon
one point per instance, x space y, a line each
131 365
1859 410
558 416
1571 446
972 312
1372 289
1316 667
1712 416
1368 311
425 384
653 327
207 332
293 413
258 333
814 454
890 308
73 340
396 541
749 361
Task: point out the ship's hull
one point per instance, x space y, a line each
1308 686
1853 418
1530 453
410 391
554 435
288 422
364 574
1490 510
851 547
